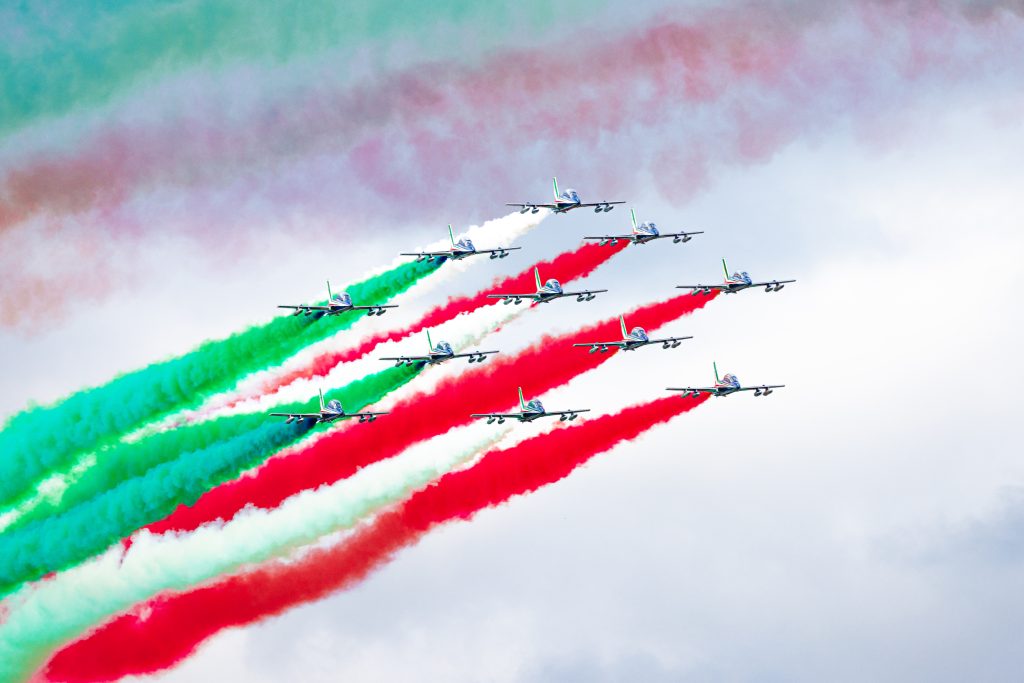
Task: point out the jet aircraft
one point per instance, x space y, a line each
549 291
644 233
460 250
439 354
633 340
728 384
736 282
528 412
330 412
338 303
565 201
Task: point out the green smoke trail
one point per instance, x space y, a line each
39 440
51 69
84 530
47 615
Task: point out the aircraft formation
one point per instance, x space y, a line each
547 291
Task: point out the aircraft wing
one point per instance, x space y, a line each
702 390
307 308
679 234
535 206
772 283
701 287
297 416
566 412
496 251
587 293
473 354
762 387
499 416
366 414
379 309
608 237
409 359
668 340
589 204
428 254
513 296
609 344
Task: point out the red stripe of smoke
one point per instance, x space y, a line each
173 626
547 364
567 266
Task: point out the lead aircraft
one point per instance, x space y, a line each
728 384
330 412
644 233
736 282
634 339
439 354
549 291
460 250
338 303
565 201
528 412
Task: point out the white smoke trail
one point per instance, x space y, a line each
46 614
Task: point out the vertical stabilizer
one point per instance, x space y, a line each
321 399
430 344
725 268
451 236
554 184
536 274
622 321
632 213
330 296
715 366
522 403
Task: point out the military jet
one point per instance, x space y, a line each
726 385
736 282
564 202
549 291
644 233
528 412
330 412
439 354
634 339
459 250
336 304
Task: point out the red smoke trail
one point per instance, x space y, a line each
174 625
548 364
567 267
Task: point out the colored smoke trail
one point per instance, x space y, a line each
44 439
47 615
171 627
549 363
102 521
567 267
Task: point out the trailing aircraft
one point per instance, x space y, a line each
460 250
736 282
564 202
644 233
338 303
330 412
728 384
549 291
634 339
439 354
528 412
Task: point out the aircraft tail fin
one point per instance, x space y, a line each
321 398
522 403
622 321
429 343
330 295
715 366
725 268
632 213
554 184
536 274
451 236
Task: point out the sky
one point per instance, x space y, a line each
863 523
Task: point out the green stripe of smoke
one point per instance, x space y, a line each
40 440
50 70
90 528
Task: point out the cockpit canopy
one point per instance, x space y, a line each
466 243
535 406
639 333
444 347
569 195
342 298
334 405
742 277
553 285
730 379
649 227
